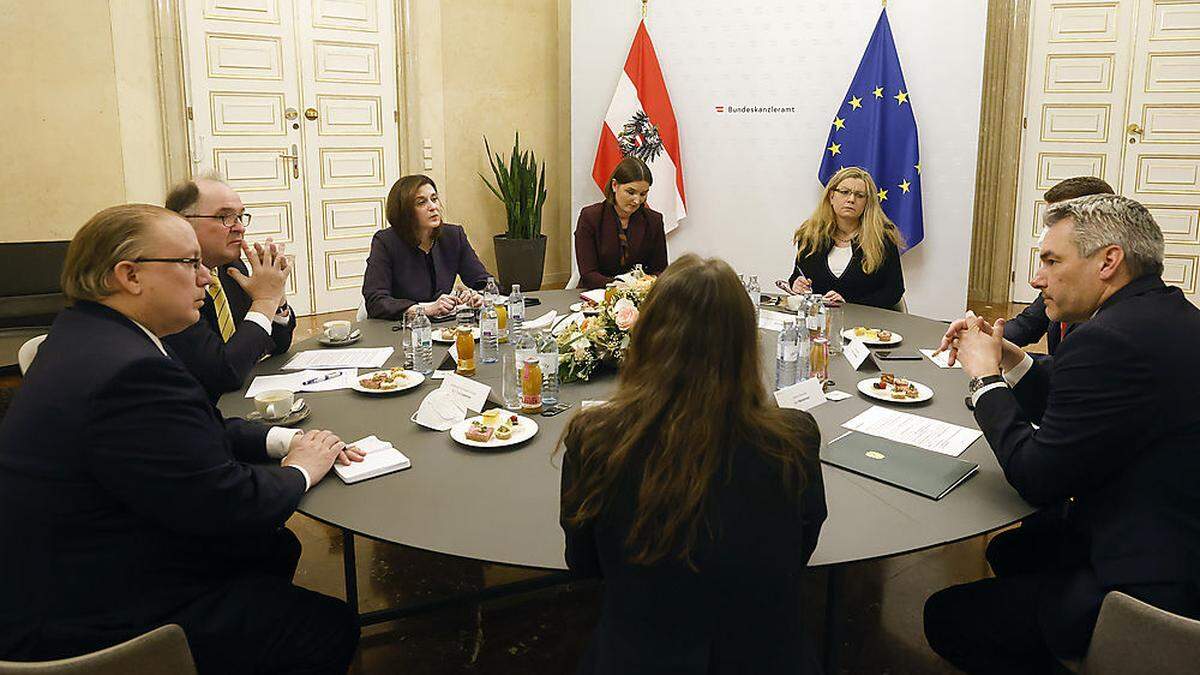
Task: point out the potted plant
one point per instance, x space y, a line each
521 187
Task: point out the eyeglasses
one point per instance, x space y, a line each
229 219
194 262
847 193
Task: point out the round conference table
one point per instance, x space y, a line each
502 505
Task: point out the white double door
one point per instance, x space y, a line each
294 104
1113 91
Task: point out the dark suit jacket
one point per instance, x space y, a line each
123 492
221 366
1031 324
1120 432
397 274
882 288
740 614
598 244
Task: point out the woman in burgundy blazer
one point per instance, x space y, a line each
614 235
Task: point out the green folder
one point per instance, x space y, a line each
927 473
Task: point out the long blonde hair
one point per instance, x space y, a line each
816 233
691 390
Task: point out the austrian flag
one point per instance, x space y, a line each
640 122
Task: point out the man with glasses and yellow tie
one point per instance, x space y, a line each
245 313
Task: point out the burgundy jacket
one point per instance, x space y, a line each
598 246
398 274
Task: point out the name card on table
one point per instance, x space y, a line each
466 392
803 395
856 353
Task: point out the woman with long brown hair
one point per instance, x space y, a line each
415 261
849 250
622 231
696 499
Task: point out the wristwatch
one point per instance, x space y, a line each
978 383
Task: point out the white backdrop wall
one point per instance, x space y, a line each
751 178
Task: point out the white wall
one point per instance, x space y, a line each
751 178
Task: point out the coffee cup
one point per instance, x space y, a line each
794 302
337 330
274 404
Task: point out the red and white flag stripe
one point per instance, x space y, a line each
641 88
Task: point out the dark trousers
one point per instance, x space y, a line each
1041 606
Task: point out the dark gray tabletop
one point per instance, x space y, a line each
502 506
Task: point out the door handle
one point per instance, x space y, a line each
294 158
1134 129
310 113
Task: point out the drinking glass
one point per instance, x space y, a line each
835 323
510 380
406 350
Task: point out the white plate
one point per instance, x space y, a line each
413 379
924 393
437 335
590 309
848 334
525 431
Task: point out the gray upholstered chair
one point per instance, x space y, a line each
162 651
28 351
1134 637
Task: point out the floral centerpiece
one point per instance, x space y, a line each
601 339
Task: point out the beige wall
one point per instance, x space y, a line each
500 65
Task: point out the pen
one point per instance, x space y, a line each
327 376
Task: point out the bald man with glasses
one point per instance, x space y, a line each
245 314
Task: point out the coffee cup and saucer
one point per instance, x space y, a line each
279 407
339 333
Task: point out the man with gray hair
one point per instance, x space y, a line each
245 314
1118 437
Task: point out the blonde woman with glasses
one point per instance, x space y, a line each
849 250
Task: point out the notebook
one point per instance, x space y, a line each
381 458
908 467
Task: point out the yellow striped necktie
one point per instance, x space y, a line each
221 304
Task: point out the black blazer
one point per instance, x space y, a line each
1119 432
741 612
123 493
221 366
397 275
1031 324
882 288
598 243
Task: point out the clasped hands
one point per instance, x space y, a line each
448 302
980 346
269 271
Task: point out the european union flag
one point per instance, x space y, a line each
875 129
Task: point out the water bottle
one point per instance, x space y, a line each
787 356
804 349
516 311
755 292
548 355
422 340
491 290
489 331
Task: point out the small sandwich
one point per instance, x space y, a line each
491 417
448 334
900 393
885 336
504 432
478 431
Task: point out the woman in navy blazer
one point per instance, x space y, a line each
614 235
415 261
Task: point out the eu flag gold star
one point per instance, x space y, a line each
905 185
878 92
917 167
855 102
834 149
901 97
883 195
839 123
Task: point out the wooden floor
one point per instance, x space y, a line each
547 631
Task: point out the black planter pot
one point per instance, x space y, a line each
520 261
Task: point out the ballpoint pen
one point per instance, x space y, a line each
327 376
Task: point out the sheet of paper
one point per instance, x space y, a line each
325 359
439 411
543 321
856 353
803 395
295 382
923 432
942 360
465 391
837 395
773 320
